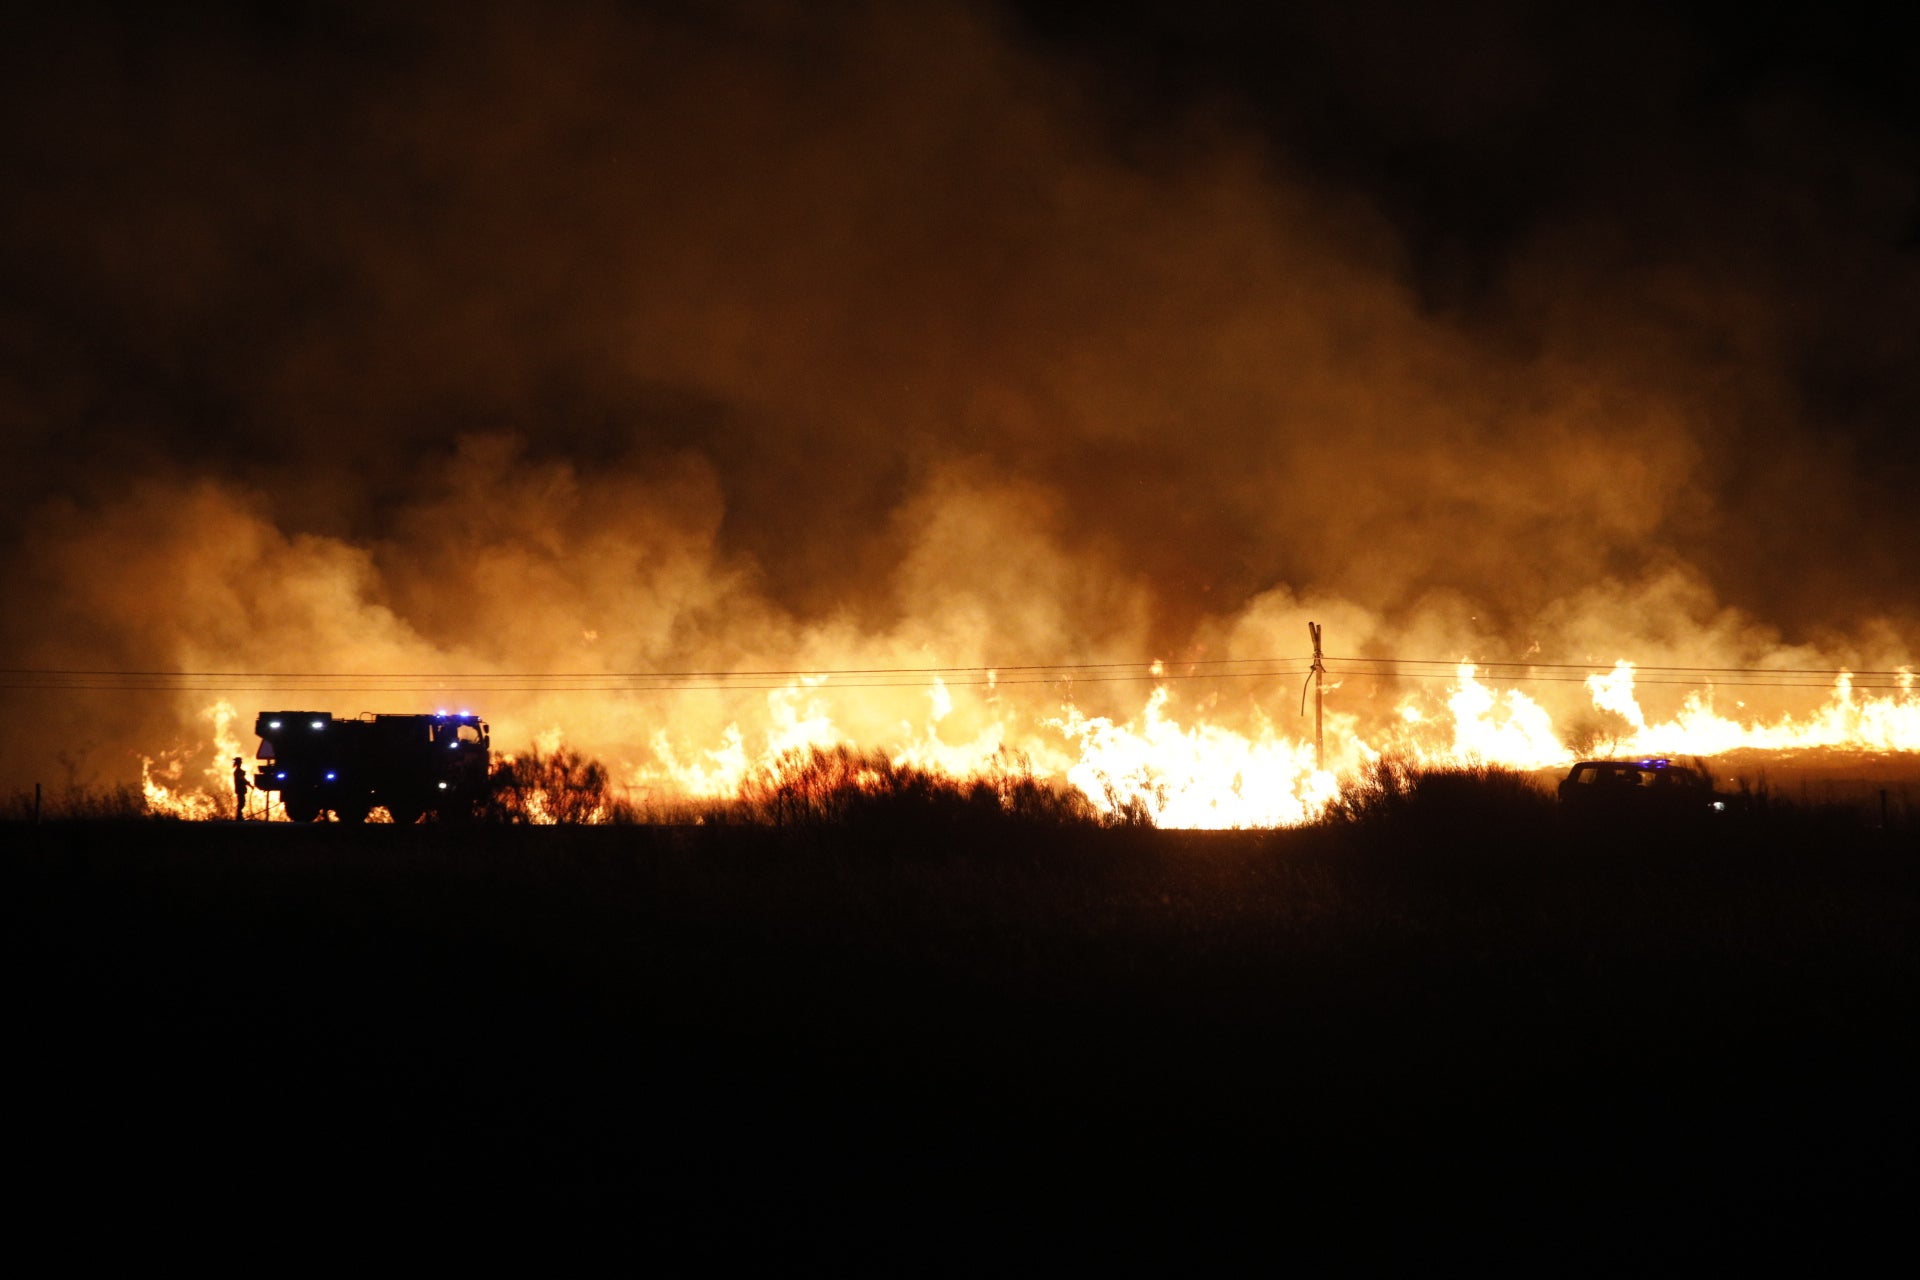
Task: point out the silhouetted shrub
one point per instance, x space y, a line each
842 785
563 787
1394 789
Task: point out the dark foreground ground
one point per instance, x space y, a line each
921 1051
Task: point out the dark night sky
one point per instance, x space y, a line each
1567 321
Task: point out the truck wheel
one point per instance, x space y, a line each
354 811
454 811
301 808
404 815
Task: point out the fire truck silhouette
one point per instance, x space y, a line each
410 764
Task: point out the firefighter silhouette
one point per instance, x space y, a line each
240 789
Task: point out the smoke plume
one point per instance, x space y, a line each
614 338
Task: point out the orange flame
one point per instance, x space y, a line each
1161 767
172 790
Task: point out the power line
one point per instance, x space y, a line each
347 684
1301 663
1142 667
1428 668
1894 681
53 679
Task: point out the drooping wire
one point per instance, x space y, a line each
1384 669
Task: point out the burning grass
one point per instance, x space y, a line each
1156 768
843 786
846 787
803 787
549 788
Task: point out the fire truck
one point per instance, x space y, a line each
411 765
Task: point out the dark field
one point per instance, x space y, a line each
918 1050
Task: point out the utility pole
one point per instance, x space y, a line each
1318 675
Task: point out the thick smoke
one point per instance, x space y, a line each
598 338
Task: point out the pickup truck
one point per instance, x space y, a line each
1654 785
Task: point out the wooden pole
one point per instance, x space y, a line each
1319 701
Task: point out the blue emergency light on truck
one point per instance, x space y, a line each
410 765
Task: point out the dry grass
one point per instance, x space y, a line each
1395 791
810 787
842 786
79 803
